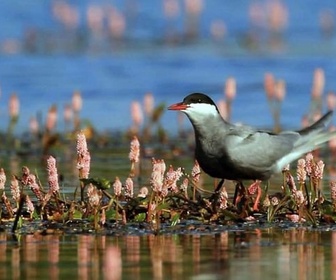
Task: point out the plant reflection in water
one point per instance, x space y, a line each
289 253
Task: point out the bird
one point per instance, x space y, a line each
239 152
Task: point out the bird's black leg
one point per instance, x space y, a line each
214 197
219 186
238 191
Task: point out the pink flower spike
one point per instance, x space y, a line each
196 172
14 106
301 170
309 163
94 195
230 88
30 204
52 175
83 156
134 154
81 144
117 186
2 179
129 187
77 101
333 191
136 113
15 189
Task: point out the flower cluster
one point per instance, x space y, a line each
117 187
15 189
129 187
94 196
52 175
2 179
172 176
83 156
196 172
134 154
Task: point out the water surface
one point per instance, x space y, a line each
253 254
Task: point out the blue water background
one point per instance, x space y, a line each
111 78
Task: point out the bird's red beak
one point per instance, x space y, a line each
178 106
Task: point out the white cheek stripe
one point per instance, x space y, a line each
202 109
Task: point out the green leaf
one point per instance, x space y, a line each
110 214
141 217
100 183
77 214
163 206
175 219
35 215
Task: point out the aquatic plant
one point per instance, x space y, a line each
170 195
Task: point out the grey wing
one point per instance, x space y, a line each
259 149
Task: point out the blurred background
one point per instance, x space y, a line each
266 63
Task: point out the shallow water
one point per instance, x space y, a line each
253 254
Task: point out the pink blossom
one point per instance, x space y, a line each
309 163
94 195
295 218
25 175
2 179
318 170
230 88
184 185
143 192
83 156
35 187
318 83
252 189
333 190
280 90
30 205
136 113
52 175
77 101
15 189
172 176
117 186
299 197
129 187
134 150
301 170
196 172
157 176
290 182
269 85
14 106
274 200
156 180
